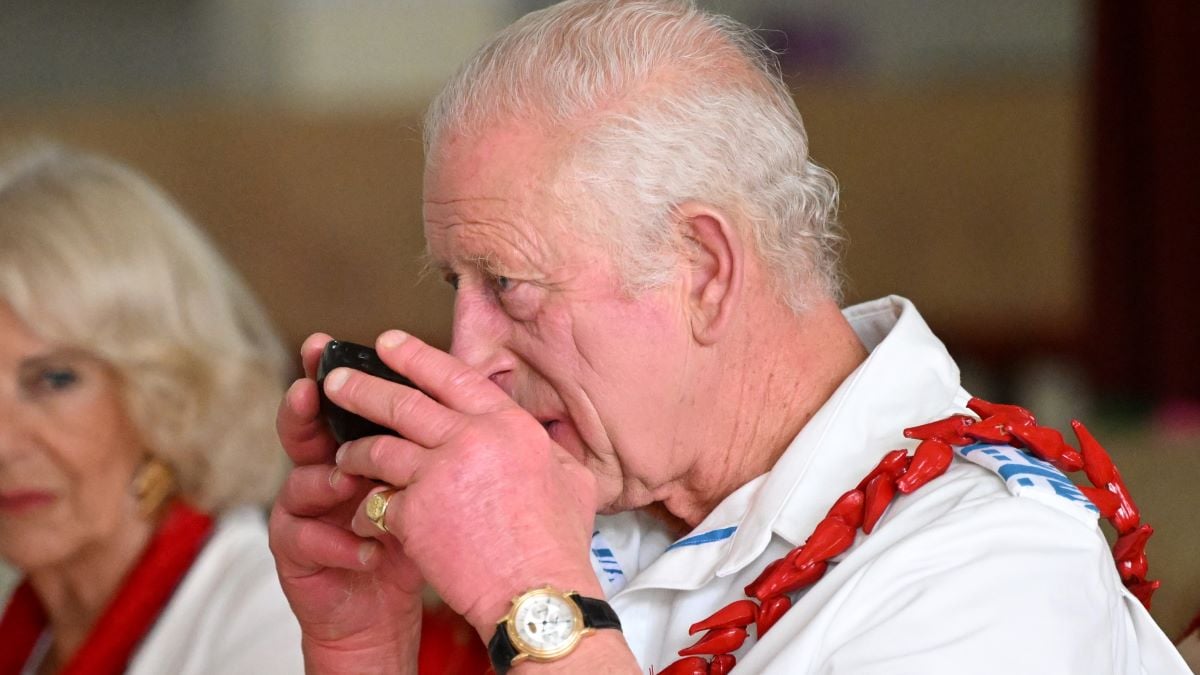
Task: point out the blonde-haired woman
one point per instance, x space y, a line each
138 382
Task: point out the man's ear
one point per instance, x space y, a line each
714 252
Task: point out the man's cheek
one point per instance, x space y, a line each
564 433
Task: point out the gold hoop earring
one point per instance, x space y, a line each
153 484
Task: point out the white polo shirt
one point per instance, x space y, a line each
998 570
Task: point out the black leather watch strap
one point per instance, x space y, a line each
597 614
501 650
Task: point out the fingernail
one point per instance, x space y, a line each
392 338
366 550
336 379
335 477
341 452
291 392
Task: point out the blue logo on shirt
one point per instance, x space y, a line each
1024 474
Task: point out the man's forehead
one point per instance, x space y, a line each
495 195
510 151
458 236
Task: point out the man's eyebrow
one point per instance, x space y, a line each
430 264
429 261
433 265
459 200
486 262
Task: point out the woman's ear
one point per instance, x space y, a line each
714 252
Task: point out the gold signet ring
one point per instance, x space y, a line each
377 505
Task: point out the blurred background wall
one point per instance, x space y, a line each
1020 169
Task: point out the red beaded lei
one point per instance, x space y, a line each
860 508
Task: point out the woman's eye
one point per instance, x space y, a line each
504 283
57 379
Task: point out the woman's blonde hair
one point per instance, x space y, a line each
94 256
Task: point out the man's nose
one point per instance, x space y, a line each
479 338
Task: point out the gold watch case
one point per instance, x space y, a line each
527 650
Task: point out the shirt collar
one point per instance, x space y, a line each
692 561
907 379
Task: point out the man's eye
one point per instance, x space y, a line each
504 283
452 279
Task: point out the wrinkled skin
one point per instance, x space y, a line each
562 395
356 599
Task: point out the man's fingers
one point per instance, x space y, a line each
302 431
441 375
392 460
365 527
406 410
304 546
310 353
316 489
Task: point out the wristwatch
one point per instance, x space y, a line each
545 624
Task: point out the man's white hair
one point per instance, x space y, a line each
662 103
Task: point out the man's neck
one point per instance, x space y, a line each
781 376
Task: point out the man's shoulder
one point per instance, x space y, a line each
1025 476
968 533
996 494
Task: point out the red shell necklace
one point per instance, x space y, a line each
767 596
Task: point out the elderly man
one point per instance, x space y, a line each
647 327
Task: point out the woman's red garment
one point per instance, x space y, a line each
131 613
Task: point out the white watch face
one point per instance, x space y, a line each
546 624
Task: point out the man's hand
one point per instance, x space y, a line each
489 506
357 599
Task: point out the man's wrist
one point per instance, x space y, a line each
602 652
491 613
324 659
394 652
547 624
